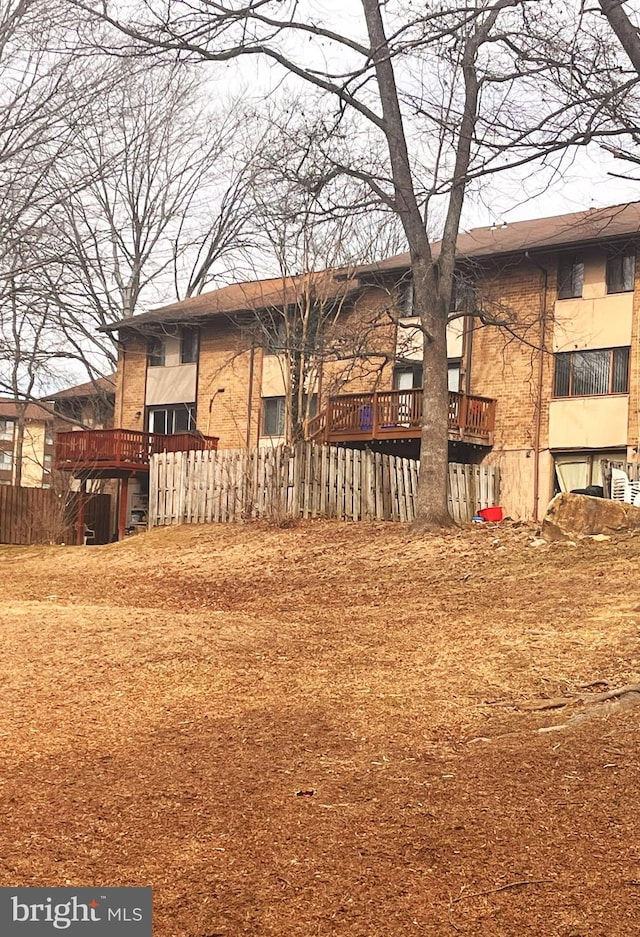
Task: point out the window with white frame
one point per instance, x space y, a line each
178 418
6 429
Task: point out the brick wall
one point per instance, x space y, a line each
364 327
131 382
226 362
506 365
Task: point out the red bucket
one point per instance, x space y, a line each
491 514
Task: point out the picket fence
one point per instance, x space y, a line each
305 480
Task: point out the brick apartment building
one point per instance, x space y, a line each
543 351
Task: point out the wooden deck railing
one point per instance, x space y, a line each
121 448
397 414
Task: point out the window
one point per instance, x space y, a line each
6 460
407 377
275 336
180 418
273 416
310 406
188 346
589 373
570 277
621 269
156 352
463 298
406 300
6 429
453 374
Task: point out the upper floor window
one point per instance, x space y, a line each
275 336
6 429
6 460
621 270
188 346
406 300
462 295
156 352
591 373
570 277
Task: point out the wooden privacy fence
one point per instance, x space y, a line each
305 480
31 515
39 515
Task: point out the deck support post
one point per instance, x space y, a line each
122 507
82 496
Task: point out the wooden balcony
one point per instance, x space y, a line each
113 453
397 414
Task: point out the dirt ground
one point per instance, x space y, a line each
165 700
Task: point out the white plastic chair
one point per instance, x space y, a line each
624 490
620 486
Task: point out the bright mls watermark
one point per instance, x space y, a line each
80 912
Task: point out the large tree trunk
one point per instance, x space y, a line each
431 502
431 506
18 449
624 29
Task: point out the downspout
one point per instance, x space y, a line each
467 350
122 354
250 393
538 422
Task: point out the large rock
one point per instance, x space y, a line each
570 516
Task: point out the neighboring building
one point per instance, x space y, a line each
85 406
82 407
26 444
544 356
27 429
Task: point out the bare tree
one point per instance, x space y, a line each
489 97
38 96
156 215
317 225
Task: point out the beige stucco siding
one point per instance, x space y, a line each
171 384
588 422
33 455
604 322
273 376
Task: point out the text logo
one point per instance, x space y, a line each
81 912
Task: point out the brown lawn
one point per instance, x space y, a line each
164 700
